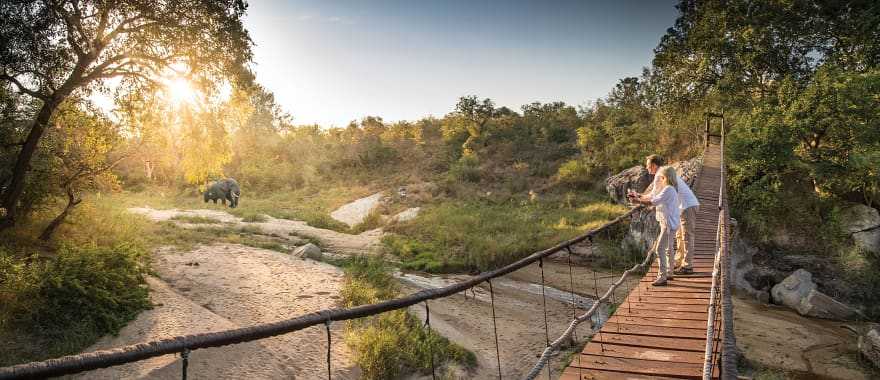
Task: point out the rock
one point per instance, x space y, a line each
798 291
309 251
863 223
355 212
869 345
793 289
408 214
636 178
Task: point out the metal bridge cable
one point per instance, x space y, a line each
495 327
544 305
185 362
329 344
428 336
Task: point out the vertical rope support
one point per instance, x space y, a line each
495 327
428 335
544 305
184 355
329 344
599 300
574 338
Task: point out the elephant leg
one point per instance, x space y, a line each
214 200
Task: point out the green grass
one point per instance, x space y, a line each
479 235
392 344
194 219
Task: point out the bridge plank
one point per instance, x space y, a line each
639 366
684 344
594 374
645 353
655 331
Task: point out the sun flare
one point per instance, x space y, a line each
180 90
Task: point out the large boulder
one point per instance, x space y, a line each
869 345
799 292
863 223
635 178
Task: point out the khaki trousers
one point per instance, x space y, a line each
684 238
664 249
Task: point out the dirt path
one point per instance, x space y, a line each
331 241
227 286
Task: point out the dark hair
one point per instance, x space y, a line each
656 160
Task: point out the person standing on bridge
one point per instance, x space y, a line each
664 198
688 205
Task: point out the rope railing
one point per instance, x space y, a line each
185 344
720 295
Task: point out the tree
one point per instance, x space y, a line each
86 146
478 113
53 49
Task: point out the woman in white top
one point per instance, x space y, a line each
665 202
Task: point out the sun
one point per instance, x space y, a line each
180 90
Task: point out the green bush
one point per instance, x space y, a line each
577 172
466 169
73 298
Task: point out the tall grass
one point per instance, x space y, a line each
479 235
394 343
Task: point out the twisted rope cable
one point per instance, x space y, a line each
556 344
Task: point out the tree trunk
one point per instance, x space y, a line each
22 163
55 223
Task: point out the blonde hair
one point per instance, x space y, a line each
669 173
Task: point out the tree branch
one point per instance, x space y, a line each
22 88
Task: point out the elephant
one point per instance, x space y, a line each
224 189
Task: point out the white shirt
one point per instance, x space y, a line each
666 206
686 197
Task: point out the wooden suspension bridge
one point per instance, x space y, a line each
660 332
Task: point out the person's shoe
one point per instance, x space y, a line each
659 282
684 271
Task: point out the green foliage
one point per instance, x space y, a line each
73 298
395 343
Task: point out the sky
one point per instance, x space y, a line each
331 62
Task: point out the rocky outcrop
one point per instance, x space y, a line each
799 292
643 228
869 345
863 224
635 178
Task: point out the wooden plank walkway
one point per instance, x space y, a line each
660 332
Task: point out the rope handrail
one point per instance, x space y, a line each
71 364
720 294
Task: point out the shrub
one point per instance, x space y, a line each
73 298
466 169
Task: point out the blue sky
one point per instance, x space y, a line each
330 62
